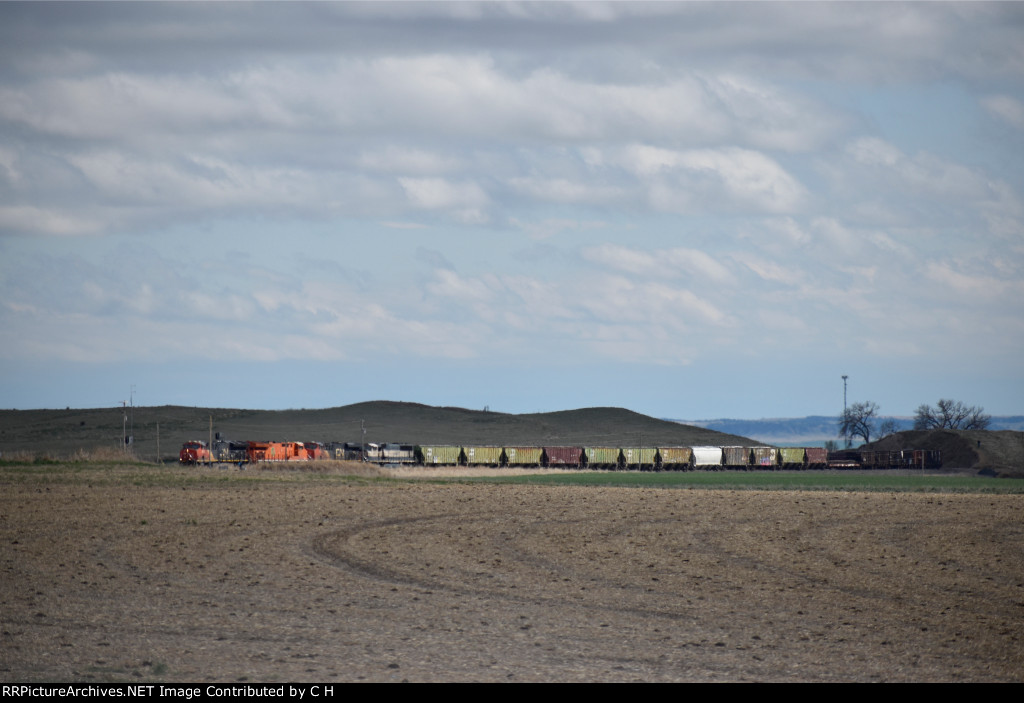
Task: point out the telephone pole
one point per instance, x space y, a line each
124 427
848 442
131 422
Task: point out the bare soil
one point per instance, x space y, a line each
207 575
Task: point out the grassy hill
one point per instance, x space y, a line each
63 432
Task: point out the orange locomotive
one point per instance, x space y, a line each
277 451
194 452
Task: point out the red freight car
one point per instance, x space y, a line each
569 457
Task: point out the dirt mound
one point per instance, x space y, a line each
999 453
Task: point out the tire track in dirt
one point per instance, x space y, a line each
540 574
603 583
335 548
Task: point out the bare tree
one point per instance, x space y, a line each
857 421
889 426
951 415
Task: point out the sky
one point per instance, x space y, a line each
689 210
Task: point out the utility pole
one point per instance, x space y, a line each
124 427
844 408
131 434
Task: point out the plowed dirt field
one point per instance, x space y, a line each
289 577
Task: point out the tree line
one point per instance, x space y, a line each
858 420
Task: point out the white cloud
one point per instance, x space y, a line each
1006 108
750 176
923 171
768 118
625 301
438 193
770 270
678 262
465 95
120 105
449 284
628 260
774 234
977 286
322 138
466 199
28 219
873 151
745 178
409 161
191 183
884 185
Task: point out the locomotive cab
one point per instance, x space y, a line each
194 452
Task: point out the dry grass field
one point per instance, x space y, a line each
142 574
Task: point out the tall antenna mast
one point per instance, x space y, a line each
848 442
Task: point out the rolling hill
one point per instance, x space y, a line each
63 432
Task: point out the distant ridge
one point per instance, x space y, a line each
65 431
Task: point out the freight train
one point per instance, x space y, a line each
706 458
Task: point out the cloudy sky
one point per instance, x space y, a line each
689 210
